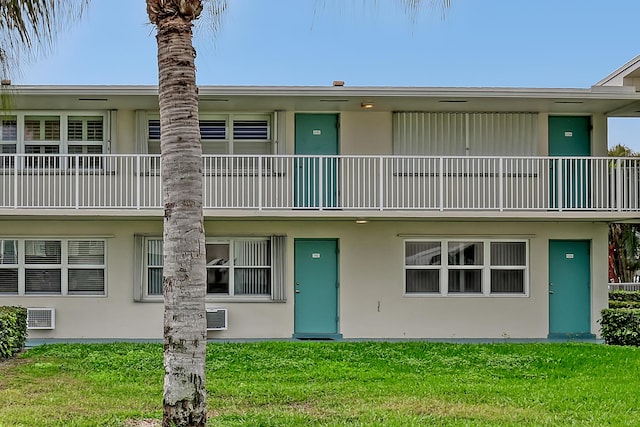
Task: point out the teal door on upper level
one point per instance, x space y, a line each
316 179
569 288
570 136
316 288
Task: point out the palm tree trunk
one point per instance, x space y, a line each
184 277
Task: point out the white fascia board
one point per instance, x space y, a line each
83 90
430 92
621 72
600 92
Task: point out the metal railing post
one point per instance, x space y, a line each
77 173
138 183
501 184
441 174
260 158
15 181
381 183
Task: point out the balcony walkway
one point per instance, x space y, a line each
342 185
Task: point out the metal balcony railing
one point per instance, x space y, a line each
271 182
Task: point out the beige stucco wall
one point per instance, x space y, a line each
124 140
361 133
371 299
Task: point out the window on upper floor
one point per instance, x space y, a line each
8 134
52 267
465 134
38 134
468 267
237 268
224 134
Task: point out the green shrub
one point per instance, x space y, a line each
13 330
624 296
621 326
624 304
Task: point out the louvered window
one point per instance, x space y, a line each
42 128
251 130
58 267
225 134
213 129
45 135
238 268
9 129
469 268
85 135
8 137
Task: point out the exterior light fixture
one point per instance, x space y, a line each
367 105
361 221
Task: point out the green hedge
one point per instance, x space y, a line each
621 326
13 330
624 304
624 296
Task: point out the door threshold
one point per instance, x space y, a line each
316 337
571 336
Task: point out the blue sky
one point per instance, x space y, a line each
517 43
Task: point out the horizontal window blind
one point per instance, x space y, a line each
86 252
42 252
48 266
86 281
483 267
8 280
46 280
236 268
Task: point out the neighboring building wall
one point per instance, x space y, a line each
371 296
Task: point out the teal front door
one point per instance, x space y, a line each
316 177
570 178
316 288
569 288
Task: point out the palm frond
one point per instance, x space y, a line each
27 27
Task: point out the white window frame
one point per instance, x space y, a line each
63 143
8 142
64 267
485 268
231 266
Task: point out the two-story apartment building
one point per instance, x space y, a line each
355 212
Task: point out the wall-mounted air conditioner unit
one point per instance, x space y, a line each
41 318
216 319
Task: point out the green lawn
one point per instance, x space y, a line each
333 384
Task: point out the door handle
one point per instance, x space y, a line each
551 292
297 291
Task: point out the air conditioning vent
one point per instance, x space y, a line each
216 319
41 318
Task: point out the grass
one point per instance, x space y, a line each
333 384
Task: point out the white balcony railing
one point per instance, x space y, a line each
329 182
